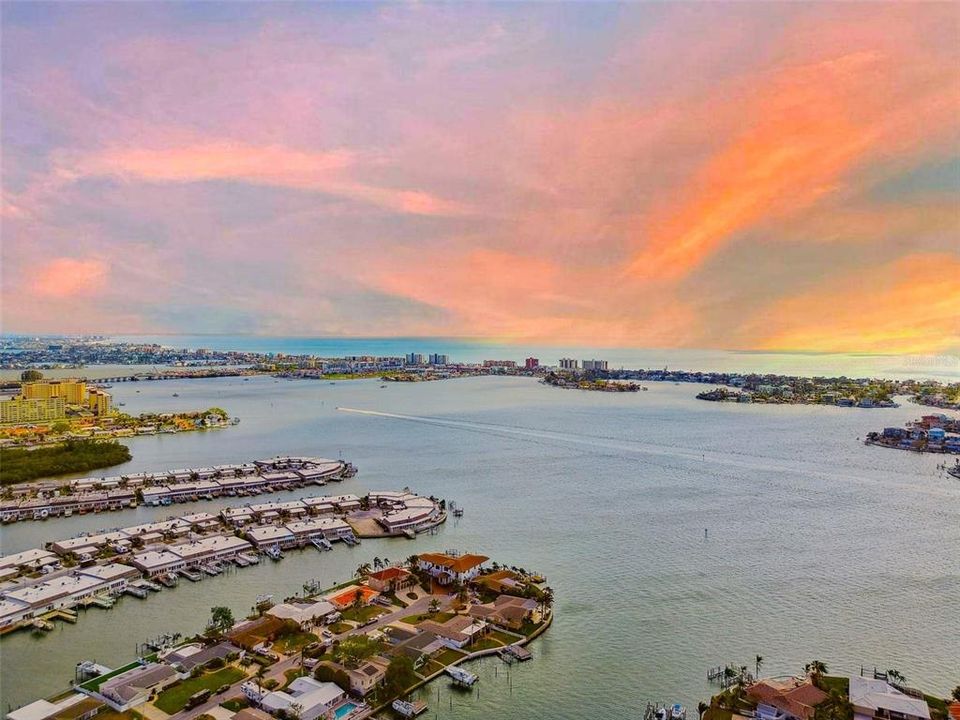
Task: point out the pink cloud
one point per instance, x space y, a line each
64 278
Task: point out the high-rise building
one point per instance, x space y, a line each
23 410
594 364
531 363
438 359
416 359
73 392
568 364
99 401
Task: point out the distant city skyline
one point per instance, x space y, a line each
772 176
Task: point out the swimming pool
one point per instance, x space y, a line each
344 710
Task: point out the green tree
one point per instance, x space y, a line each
434 605
815 669
702 707
400 675
221 618
956 693
31 375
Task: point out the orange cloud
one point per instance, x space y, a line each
809 126
327 172
908 306
70 277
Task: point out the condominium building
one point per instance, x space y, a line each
20 410
568 364
73 392
594 364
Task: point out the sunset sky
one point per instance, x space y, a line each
778 176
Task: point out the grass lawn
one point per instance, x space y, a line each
95 683
485 644
293 642
715 713
340 627
111 714
362 614
436 617
429 668
448 656
834 682
503 637
292 675
175 697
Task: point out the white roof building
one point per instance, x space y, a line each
875 698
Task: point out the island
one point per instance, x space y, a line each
575 381
345 652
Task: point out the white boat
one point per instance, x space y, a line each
461 677
661 714
678 712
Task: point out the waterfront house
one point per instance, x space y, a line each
345 597
253 634
458 631
154 563
448 568
304 614
72 707
217 547
877 699
345 503
133 687
509 611
313 698
785 699
391 579
271 535
27 560
320 505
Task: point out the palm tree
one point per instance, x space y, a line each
377 563
362 570
896 675
815 669
702 707
546 600
261 672
759 662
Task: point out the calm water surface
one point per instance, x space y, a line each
818 547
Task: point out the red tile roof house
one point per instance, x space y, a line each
507 611
451 568
391 580
786 700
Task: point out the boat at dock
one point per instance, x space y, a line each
515 652
274 553
461 677
408 709
167 580
102 601
191 575
136 591
250 558
321 544
351 539
41 626
210 569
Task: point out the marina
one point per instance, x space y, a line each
95 569
42 501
